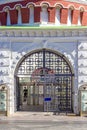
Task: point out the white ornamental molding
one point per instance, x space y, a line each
82 71
4 62
42 33
82 54
82 63
4 54
82 79
82 46
4 71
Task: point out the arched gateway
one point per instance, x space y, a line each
44 75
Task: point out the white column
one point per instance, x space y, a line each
8 18
31 19
19 16
79 20
44 15
69 17
57 16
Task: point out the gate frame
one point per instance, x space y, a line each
57 53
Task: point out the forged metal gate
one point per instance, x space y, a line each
53 71
59 91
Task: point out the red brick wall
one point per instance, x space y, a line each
38 2
37 11
75 16
51 14
84 18
25 15
13 16
3 18
63 16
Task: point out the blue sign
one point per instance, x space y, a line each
47 99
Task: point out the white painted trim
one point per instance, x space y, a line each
8 18
69 18
31 18
17 5
81 7
57 16
19 17
71 5
30 4
45 2
79 20
59 4
44 15
6 7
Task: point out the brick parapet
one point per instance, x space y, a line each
52 4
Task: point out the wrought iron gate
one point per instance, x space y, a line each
53 71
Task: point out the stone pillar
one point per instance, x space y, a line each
44 15
8 17
69 19
57 16
31 11
79 19
19 15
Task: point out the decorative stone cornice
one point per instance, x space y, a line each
43 33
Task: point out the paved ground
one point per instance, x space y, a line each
42 121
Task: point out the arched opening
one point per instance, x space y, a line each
44 74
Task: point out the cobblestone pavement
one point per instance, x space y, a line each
42 121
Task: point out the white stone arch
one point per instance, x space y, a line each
30 4
45 3
44 44
34 50
51 50
81 8
59 4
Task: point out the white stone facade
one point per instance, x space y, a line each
14 44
